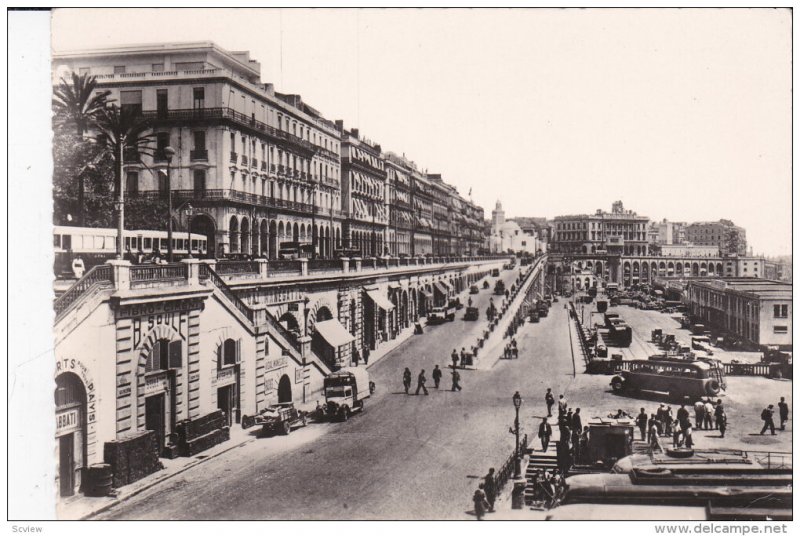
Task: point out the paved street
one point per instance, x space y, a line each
405 457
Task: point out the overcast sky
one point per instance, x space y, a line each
681 114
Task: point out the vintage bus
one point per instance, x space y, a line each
678 377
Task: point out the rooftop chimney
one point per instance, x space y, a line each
339 125
354 132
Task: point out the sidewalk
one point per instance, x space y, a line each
80 507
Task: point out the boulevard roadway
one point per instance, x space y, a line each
405 457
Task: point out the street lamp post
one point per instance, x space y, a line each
120 203
517 399
189 212
305 332
169 152
313 219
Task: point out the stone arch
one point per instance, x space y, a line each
245 235
205 226
710 268
695 269
295 233
284 389
264 237
291 321
703 269
719 269
273 239
233 235
670 269
321 310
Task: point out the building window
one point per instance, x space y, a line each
199 140
164 355
158 67
162 182
199 97
161 103
780 311
132 182
162 142
119 69
131 101
199 181
230 353
780 329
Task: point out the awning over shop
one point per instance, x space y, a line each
395 286
380 300
447 285
425 293
334 333
438 285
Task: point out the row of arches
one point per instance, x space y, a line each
264 238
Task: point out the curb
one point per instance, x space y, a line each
188 466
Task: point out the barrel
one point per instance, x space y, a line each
99 477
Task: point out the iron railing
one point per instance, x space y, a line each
324 265
158 272
237 267
226 290
507 469
280 268
198 154
102 274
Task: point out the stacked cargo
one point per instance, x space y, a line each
197 435
132 457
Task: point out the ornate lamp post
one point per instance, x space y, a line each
169 152
189 211
517 399
305 332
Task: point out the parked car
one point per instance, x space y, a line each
277 419
474 289
471 314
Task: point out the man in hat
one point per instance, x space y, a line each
766 416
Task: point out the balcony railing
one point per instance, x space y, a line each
324 266
282 268
198 154
158 272
234 157
244 160
230 114
254 163
237 267
272 168
263 166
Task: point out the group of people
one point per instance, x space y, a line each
437 379
510 351
486 495
573 435
767 415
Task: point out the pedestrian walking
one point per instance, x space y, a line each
783 411
421 382
641 422
568 418
550 400
562 405
480 502
490 488
454 358
766 416
699 414
456 378
545 431
437 376
652 430
407 379
463 358
576 423
719 411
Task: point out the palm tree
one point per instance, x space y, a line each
122 135
77 104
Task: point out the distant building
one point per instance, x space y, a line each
667 232
619 231
508 235
688 250
756 310
729 238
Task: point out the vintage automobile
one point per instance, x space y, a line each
471 314
277 419
678 377
474 289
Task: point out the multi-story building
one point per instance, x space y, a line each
756 310
687 250
401 212
668 232
422 195
258 168
473 227
364 193
441 232
729 238
620 232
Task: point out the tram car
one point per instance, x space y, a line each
96 245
